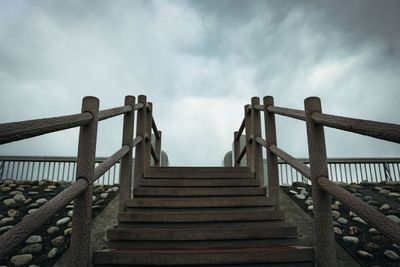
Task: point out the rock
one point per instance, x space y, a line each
337 203
352 190
33 193
394 218
69 207
52 230
367 198
8 181
335 223
34 239
393 212
63 221
52 187
308 202
100 202
48 190
7 220
71 213
378 188
33 205
358 195
41 201
352 214
32 249
115 188
14 193
365 255
387 187
335 207
105 195
384 192
21 260
371 246
67 231
391 255
299 196
394 194
96 207
52 253
335 214
27 201
5 228
373 231
351 239
379 239
311 208
5 189
19 198
396 246
32 211
337 231
12 213
99 189
359 220
94 198
354 230
385 207
342 220
69 225
42 183
58 241
373 202
356 186
10 202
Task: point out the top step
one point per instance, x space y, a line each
199 172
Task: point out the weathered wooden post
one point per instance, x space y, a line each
236 148
79 249
157 148
248 122
258 158
140 148
126 161
147 141
325 239
272 159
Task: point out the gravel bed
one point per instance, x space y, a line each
363 242
49 242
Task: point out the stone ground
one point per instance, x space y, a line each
46 246
363 242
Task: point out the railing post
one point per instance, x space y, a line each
236 149
249 137
126 161
80 240
140 148
325 240
148 131
272 159
258 158
157 147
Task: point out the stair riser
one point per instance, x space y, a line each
201 234
195 202
203 225
198 182
153 210
198 258
176 192
198 217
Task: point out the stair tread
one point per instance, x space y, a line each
198 182
203 191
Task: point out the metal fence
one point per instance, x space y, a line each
348 170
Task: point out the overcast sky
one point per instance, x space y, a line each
200 62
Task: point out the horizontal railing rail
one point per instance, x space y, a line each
84 167
318 170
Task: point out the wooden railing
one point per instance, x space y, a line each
81 190
322 187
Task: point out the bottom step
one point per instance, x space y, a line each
215 256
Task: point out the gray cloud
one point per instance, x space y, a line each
199 62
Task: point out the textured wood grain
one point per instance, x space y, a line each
299 166
14 131
288 112
112 112
140 148
109 162
258 157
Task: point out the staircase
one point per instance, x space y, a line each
202 216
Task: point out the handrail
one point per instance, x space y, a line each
288 112
14 131
86 172
112 112
241 155
154 127
240 131
318 170
385 131
21 231
156 157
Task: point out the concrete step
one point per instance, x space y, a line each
184 257
201 233
201 191
261 214
198 182
200 202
